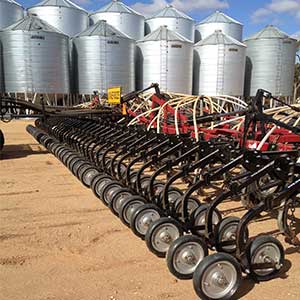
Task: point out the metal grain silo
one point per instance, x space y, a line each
104 57
35 58
219 66
270 62
219 21
64 15
10 12
122 17
165 57
175 20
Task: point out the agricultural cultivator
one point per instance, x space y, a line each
167 166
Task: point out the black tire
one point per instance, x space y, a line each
226 232
119 197
253 252
74 163
2 140
200 213
131 203
97 183
88 175
209 262
109 190
160 247
58 149
70 159
82 168
152 210
177 246
193 204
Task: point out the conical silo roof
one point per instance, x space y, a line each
101 28
219 17
164 34
217 38
116 7
170 12
62 3
32 23
269 32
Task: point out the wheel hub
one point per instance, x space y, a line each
220 280
165 237
189 257
147 220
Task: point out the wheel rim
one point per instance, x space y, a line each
129 209
187 257
163 236
266 253
144 220
219 279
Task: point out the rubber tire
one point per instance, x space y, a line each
137 212
114 198
124 206
153 227
173 248
257 242
96 181
221 225
2 140
107 187
205 263
88 184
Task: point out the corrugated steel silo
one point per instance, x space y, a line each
270 62
122 17
104 57
219 66
174 19
219 21
35 58
64 15
165 57
10 12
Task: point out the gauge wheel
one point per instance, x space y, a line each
184 255
218 276
193 204
119 197
161 233
199 219
265 249
109 190
88 175
142 217
225 235
99 183
128 207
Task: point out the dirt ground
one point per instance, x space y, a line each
58 241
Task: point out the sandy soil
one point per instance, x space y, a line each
57 241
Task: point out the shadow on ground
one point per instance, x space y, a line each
19 151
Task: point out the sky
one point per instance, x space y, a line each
254 14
